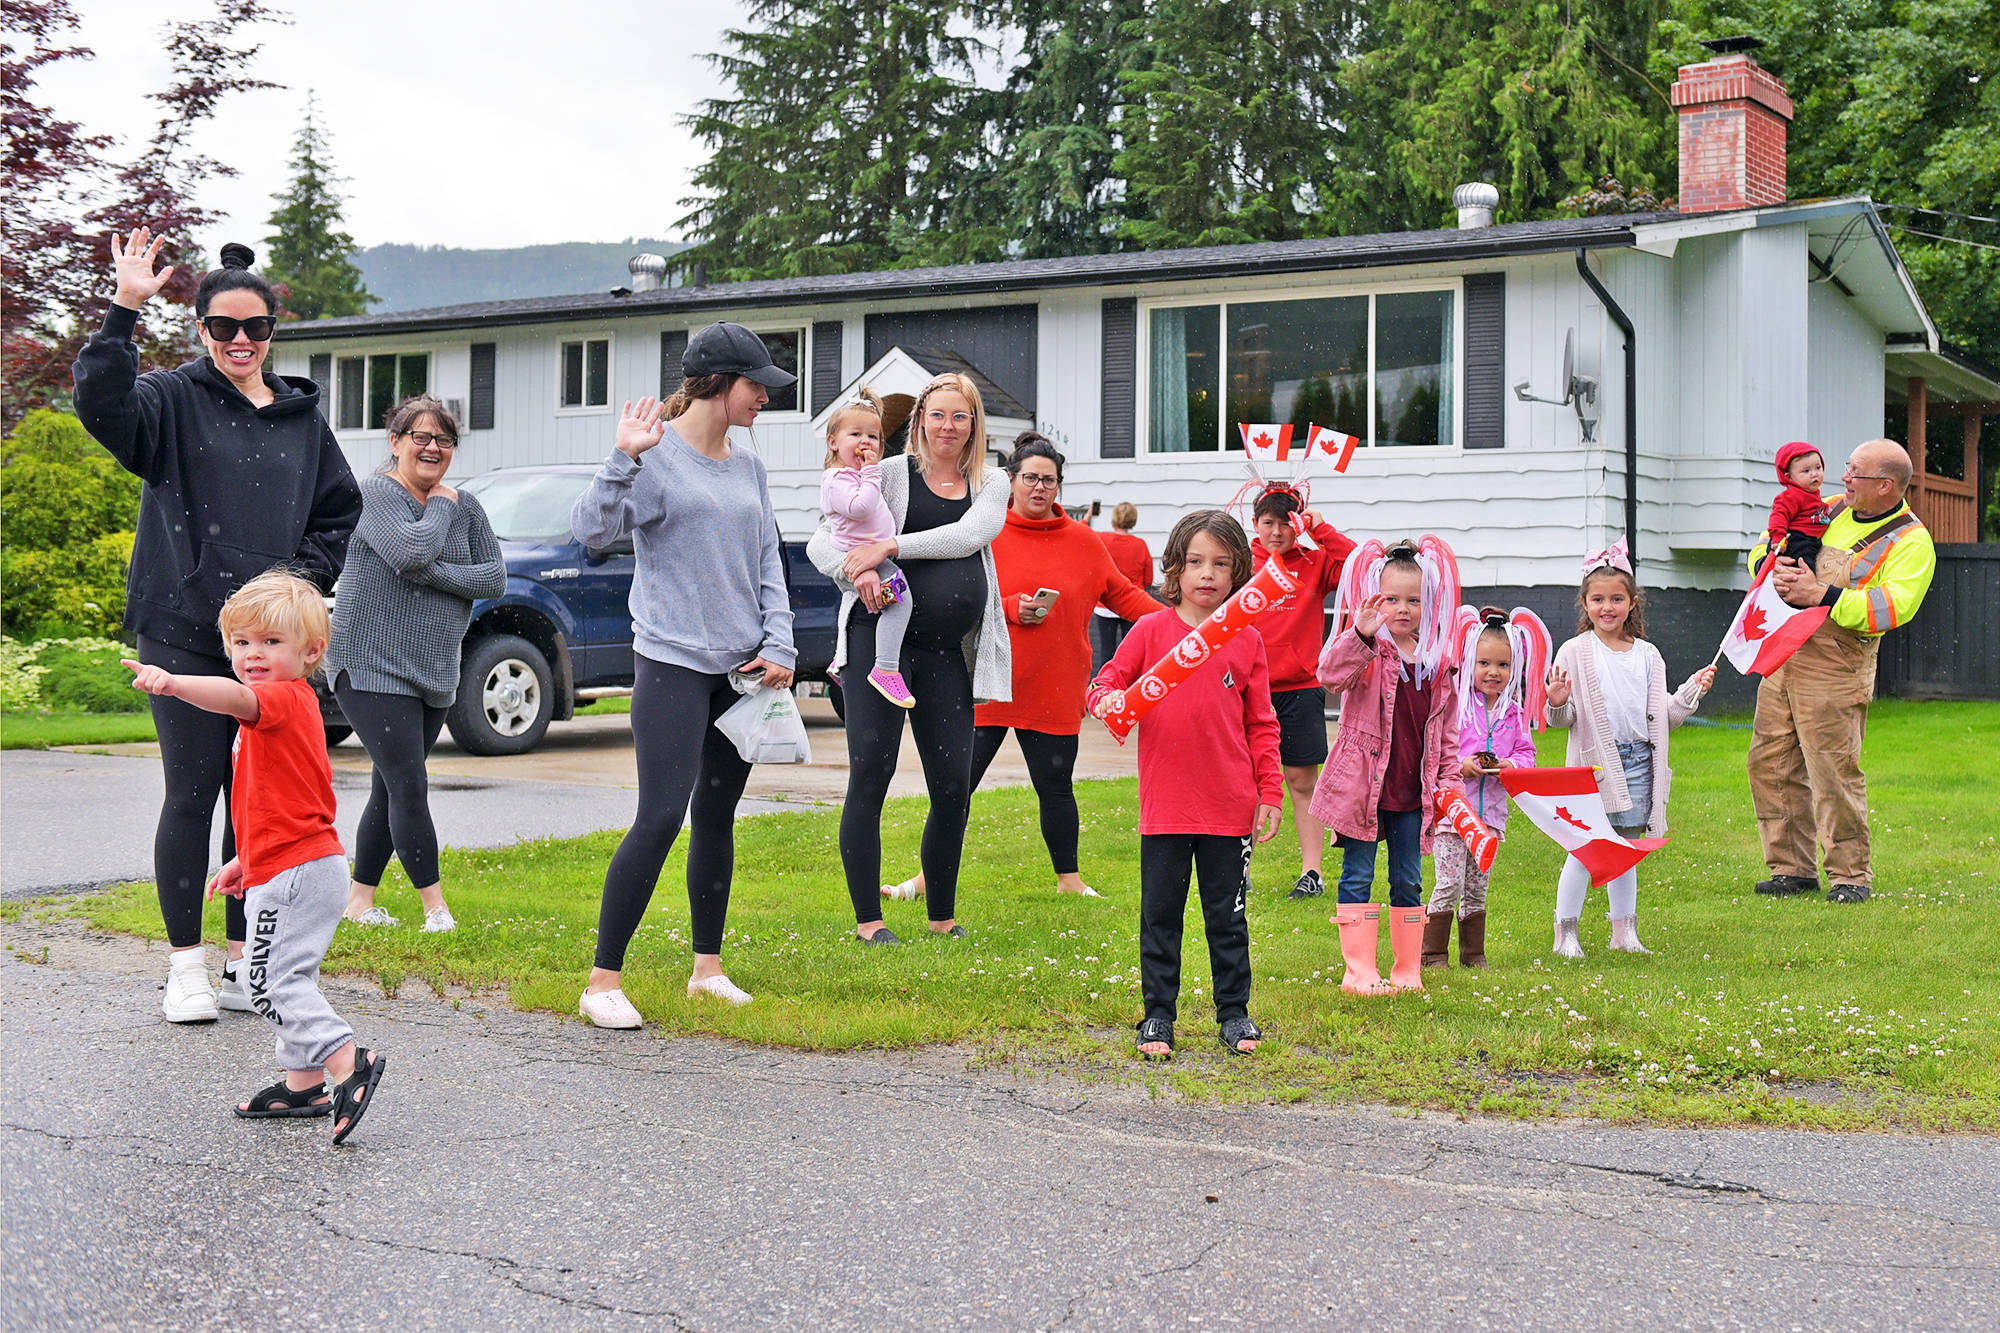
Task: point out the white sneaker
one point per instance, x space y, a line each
608 1009
437 920
190 996
375 916
234 992
903 892
721 987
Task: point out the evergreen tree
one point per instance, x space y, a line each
308 257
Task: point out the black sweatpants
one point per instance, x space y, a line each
1051 766
680 753
195 752
1220 863
398 731
942 724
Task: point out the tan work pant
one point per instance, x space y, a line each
1805 757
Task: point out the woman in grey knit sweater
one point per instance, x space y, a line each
422 554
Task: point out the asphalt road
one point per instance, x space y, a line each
523 1171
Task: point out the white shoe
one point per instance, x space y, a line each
721 987
437 920
190 996
375 916
233 994
1567 944
903 892
608 1009
1625 935
1085 892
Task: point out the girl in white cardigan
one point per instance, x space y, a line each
1618 721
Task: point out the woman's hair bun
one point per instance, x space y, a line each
235 254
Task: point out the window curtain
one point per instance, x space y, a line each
1167 374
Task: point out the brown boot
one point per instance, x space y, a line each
1437 939
1472 940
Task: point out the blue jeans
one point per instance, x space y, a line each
1403 830
1636 759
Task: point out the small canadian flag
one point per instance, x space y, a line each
1564 803
1334 445
1267 443
1767 630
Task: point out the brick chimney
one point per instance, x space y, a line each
1733 117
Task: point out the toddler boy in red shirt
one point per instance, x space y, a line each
1798 515
289 868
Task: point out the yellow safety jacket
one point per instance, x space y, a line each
1888 568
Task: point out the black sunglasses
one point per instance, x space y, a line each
223 329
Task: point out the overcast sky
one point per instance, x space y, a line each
496 123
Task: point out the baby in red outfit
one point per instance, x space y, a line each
1798 516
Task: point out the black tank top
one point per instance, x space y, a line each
948 596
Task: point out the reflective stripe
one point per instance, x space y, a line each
1881 612
1869 558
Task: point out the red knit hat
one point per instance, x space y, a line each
1791 453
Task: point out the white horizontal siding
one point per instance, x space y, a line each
1845 373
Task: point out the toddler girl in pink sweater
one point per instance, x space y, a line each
850 495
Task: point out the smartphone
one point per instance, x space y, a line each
1046 599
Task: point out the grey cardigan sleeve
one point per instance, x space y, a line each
485 575
406 545
970 534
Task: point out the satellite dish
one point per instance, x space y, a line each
1578 391
1569 364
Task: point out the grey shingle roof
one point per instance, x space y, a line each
1222 261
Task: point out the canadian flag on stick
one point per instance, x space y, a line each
1563 803
1267 444
1332 443
1767 630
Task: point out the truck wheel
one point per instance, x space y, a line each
506 696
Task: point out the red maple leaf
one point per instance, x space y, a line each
1263 440
1562 813
1753 624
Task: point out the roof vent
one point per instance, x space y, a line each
698 276
1475 203
647 272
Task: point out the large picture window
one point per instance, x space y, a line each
369 387
1379 365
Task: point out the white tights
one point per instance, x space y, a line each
1574 883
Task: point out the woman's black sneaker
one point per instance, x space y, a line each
1310 885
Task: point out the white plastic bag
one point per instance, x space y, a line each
766 728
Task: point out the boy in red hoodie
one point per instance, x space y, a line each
1798 516
1293 631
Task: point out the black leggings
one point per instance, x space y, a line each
397 730
195 747
942 724
1051 762
680 753
1220 863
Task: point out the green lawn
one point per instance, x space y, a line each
39 731
1753 1010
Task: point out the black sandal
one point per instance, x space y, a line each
353 1095
281 1100
1156 1030
1236 1031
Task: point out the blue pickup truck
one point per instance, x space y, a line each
561 632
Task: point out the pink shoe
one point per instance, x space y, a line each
889 684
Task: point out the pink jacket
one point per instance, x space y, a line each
1349 793
1505 737
851 499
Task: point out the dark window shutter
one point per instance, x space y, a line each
673 342
826 379
1485 360
479 406
1116 437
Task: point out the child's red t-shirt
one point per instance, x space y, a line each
281 800
1208 752
1294 629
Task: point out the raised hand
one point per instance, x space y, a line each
640 430
1558 687
1368 616
132 263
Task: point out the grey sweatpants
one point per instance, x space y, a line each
292 919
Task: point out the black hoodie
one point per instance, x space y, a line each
232 489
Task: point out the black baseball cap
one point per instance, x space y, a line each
731 349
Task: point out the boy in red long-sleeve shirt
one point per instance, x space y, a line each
1208 779
1799 514
1293 631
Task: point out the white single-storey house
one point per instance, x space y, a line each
1525 390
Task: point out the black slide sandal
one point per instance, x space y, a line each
353 1095
1156 1030
282 1101
1236 1031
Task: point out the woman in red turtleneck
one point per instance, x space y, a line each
1042 547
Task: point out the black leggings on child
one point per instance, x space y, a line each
680 753
1051 762
397 730
195 749
1220 863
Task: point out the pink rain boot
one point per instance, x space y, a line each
1406 942
1360 927
890 685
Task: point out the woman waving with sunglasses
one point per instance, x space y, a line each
242 474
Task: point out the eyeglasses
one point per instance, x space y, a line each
423 439
223 329
1039 483
937 418
1852 475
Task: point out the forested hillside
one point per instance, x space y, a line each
414 277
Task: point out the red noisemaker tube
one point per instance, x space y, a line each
1453 809
1269 586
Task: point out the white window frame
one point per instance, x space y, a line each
1233 449
430 354
604 408
804 410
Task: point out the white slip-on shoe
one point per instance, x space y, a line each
234 993
190 996
608 1009
374 916
721 987
438 920
903 892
